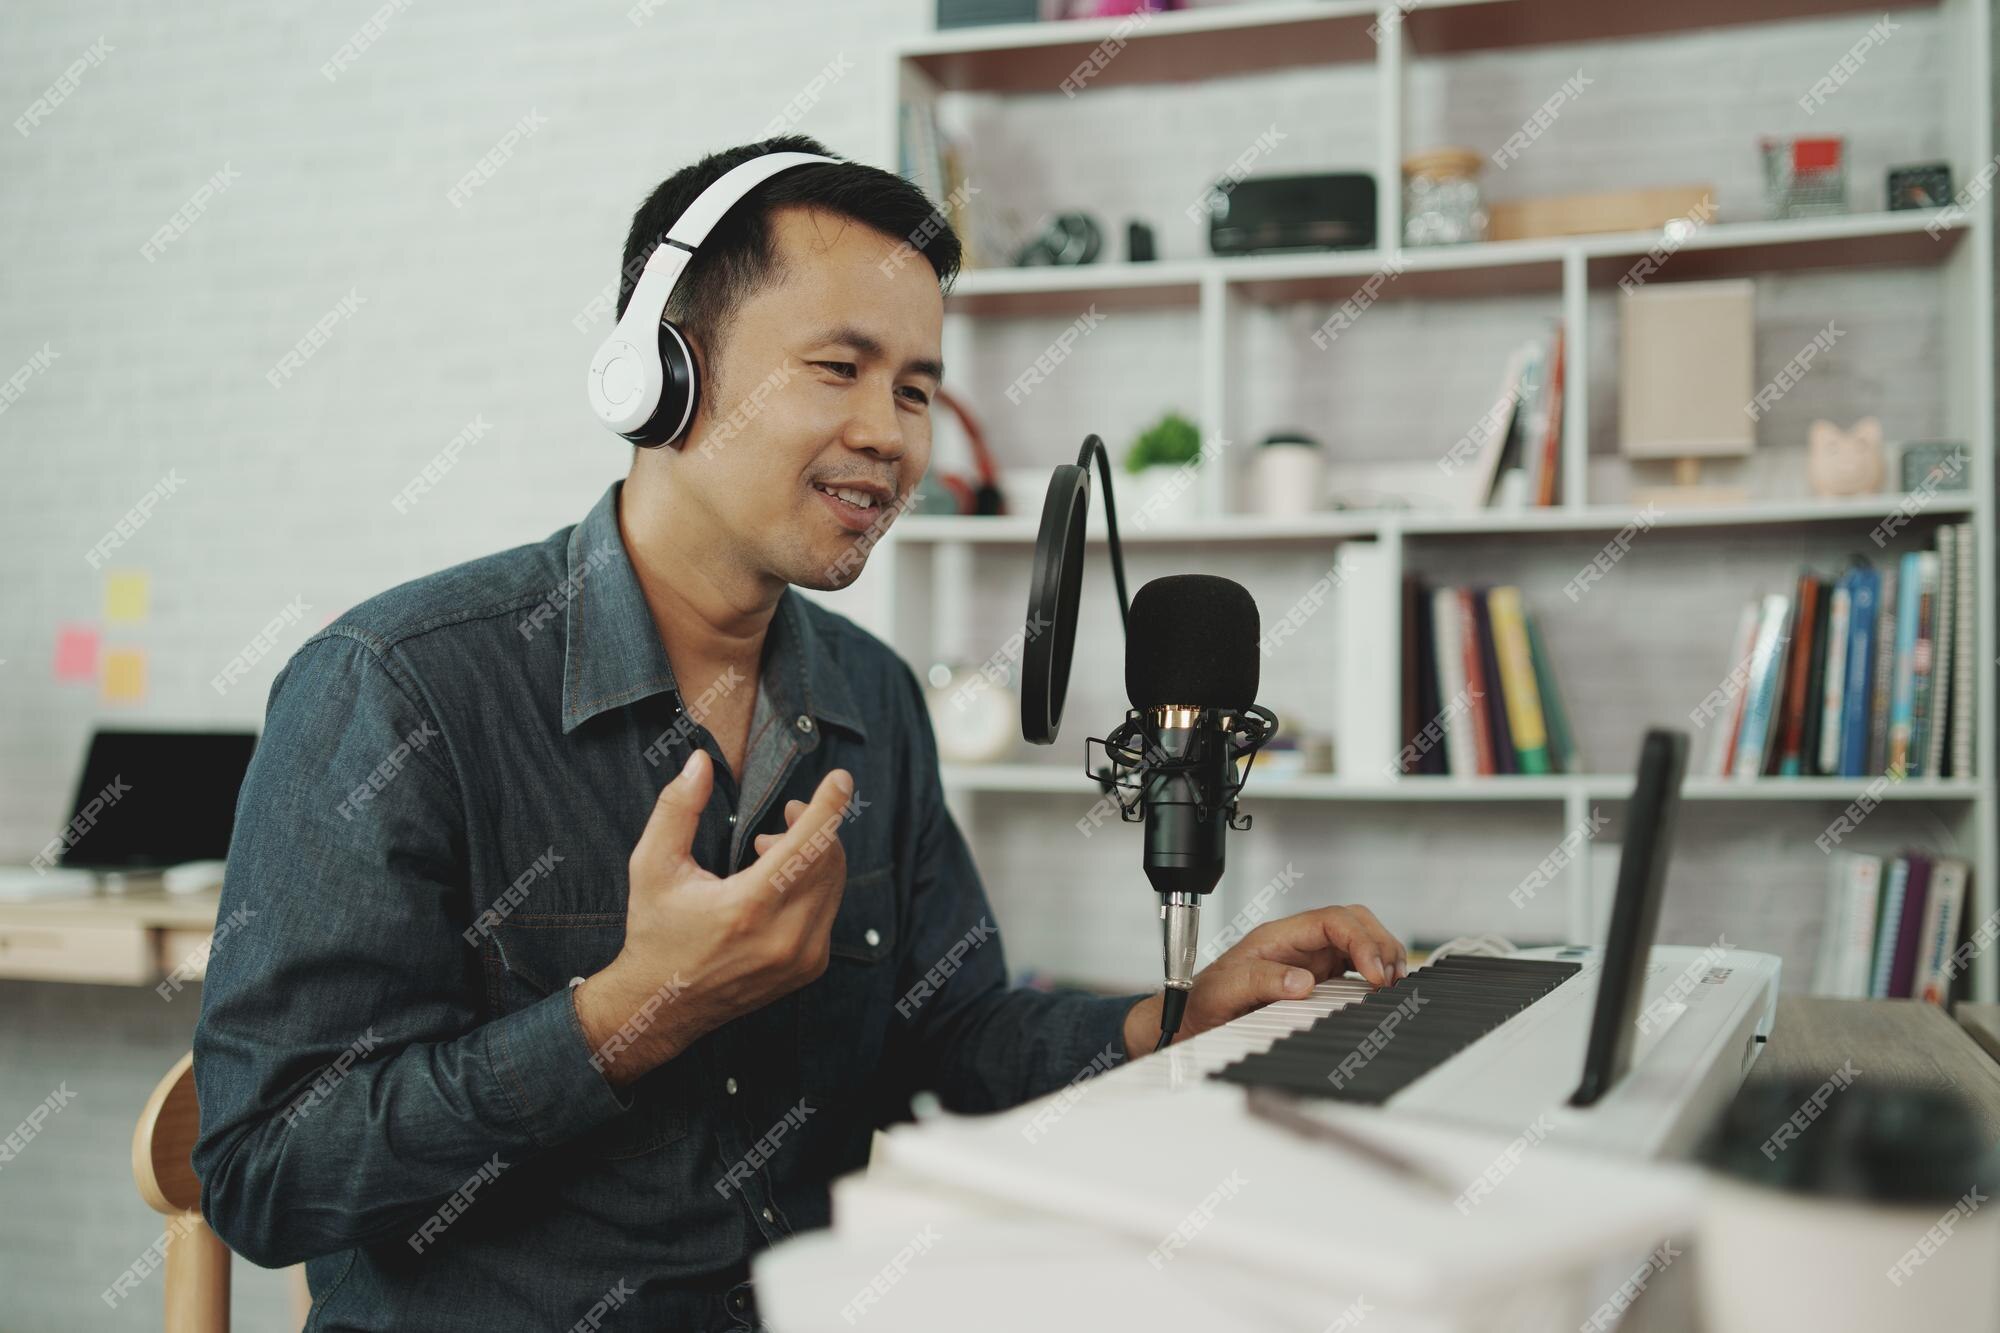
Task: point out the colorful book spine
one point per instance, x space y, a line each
1517 680
1944 610
1461 759
1564 754
1736 691
1859 686
1965 628
1888 617
1504 759
1857 924
1832 700
1766 671
1944 918
1903 698
1888 921
1922 663
1548 475
1915 895
1798 679
1477 689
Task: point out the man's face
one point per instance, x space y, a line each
824 380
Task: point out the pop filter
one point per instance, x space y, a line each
1055 588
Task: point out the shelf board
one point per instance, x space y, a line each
1248 529
1261 36
1055 780
1207 43
1722 249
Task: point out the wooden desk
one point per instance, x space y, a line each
131 939
1982 1023
1894 1043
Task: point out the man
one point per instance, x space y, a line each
595 881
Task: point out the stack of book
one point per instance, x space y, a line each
1868 673
1479 691
1891 928
1514 452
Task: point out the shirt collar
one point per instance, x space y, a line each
613 656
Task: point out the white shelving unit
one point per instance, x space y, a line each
933 560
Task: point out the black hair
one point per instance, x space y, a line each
737 258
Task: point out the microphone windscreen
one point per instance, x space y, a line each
1192 639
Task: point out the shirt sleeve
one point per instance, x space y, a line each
976 1042
346 1085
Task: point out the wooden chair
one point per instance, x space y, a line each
197 1262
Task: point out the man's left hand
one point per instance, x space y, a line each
1279 960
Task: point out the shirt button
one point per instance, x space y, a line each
732 819
770 1216
576 981
729 1086
804 723
873 936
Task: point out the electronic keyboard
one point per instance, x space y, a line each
1481 1195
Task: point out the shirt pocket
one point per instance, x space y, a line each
534 956
844 1015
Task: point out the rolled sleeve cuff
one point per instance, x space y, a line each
1097 1025
543 1060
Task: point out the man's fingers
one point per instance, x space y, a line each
1228 993
1314 939
793 809
813 833
670 829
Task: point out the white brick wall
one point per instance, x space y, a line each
340 188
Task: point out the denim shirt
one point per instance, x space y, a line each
432 842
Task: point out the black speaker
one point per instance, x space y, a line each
1331 210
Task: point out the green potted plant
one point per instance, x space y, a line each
1166 461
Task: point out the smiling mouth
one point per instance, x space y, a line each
860 499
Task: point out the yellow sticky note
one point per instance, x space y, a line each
125 595
125 675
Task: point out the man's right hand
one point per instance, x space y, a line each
701 950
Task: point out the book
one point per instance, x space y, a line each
1761 694
1944 918
1735 690
1888 921
1564 754
1504 759
1517 680
1887 617
1938 714
1492 432
1548 475
1923 654
1477 688
1904 964
1813 704
1859 686
1857 891
1903 688
1965 630
1461 756
1409 696
1798 672
1833 668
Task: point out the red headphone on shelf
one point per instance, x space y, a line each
978 494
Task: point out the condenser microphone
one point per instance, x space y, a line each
1191 666
1191 659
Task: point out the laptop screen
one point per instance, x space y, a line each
171 798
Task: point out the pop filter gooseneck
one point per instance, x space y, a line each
1055 589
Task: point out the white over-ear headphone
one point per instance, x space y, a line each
643 381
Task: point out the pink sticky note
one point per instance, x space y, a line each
76 653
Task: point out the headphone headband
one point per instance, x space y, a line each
644 370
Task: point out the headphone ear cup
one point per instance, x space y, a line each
680 392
